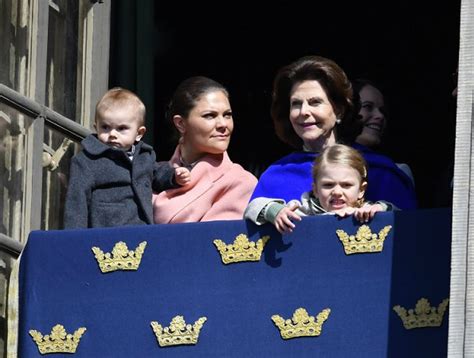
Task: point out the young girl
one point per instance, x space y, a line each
339 185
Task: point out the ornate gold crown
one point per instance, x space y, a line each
121 258
423 316
301 325
241 250
178 332
363 241
59 341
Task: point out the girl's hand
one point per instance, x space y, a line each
349 210
284 219
367 212
363 214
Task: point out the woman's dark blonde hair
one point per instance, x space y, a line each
335 83
341 154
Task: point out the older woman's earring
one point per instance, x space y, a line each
338 120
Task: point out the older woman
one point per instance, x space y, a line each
311 110
219 189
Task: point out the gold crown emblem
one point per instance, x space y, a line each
241 250
121 258
58 341
423 316
178 332
364 240
301 324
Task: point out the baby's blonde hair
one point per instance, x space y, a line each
118 96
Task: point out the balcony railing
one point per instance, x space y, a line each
36 144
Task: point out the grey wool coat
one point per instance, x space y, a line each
106 188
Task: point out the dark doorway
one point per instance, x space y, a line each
410 48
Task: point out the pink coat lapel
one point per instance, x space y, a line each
166 205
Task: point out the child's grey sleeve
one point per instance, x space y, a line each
256 210
387 206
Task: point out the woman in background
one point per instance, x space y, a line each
374 118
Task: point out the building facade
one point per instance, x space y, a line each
54 66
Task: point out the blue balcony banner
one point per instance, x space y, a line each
181 273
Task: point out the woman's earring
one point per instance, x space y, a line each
338 120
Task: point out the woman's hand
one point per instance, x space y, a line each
284 219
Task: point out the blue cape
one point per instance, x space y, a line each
290 176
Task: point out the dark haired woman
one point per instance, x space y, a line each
219 189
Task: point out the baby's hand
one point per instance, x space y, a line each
182 175
284 219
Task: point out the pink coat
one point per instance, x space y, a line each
219 190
